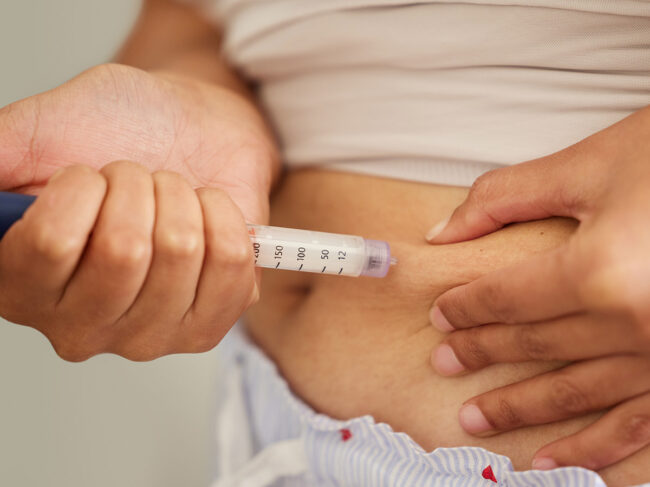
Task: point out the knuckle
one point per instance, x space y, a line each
205 344
452 307
143 345
481 188
468 347
125 248
486 189
50 244
203 333
179 243
500 309
636 429
566 397
204 336
142 355
241 254
506 416
234 254
71 351
530 341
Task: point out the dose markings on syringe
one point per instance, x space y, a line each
308 257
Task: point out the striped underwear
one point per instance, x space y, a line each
266 436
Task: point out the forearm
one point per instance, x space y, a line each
174 37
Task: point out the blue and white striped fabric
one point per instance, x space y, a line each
269 437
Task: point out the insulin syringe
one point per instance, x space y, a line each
323 253
276 248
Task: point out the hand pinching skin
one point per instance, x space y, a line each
587 301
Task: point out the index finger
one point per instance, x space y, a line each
43 248
539 289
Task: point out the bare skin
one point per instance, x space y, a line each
586 301
139 245
174 105
354 346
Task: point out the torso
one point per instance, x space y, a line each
355 346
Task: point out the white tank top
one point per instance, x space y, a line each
438 91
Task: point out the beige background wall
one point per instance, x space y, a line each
106 422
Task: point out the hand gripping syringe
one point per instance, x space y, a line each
276 248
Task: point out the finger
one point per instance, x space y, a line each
618 434
550 186
40 252
565 393
538 289
227 284
118 255
576 337
170 286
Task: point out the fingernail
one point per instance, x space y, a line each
472 419
439 321
544 463
436 230
445 361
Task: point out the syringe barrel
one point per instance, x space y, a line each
319 252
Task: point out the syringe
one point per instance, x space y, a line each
323 253
275 247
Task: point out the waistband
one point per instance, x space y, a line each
288 443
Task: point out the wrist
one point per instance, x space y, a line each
205 64
215 98
173 35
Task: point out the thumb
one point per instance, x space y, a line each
551 186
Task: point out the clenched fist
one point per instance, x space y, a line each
128 262
113 258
